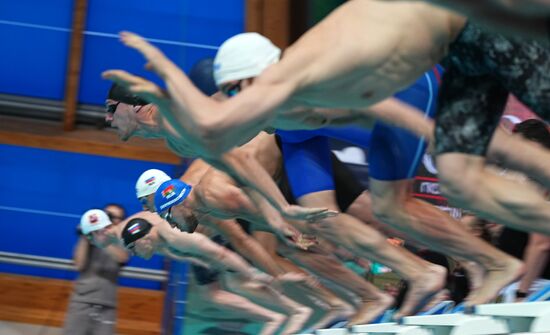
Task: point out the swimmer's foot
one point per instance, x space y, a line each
371 309
421 290
496 278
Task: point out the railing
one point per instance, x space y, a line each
46 109
66 264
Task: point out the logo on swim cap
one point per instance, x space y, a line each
171 193
168 192
150 181
134 229
93 219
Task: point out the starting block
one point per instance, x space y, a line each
520 317
489 319
393 328
335 331
388 328
443 307
458 324
541 295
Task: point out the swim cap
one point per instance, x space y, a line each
134 230
202 76
171 193
94 219
149 182
121 94
244 56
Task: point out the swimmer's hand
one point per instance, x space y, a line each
294 212
290 235
305 242
156 60
301 241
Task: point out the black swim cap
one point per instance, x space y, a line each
134 230
121 94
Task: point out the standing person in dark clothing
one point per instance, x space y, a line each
92 307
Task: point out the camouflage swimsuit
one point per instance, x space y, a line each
482 69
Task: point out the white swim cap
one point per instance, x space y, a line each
94 219
149 182
244 56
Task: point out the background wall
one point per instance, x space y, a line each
44 192
37 33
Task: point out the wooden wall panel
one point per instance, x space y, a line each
44 301
254 15
276 22
75 63
86 140
269 18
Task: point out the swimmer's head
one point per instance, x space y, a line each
124 111
140 237
170 194
241 57
146 186
122 94
534 130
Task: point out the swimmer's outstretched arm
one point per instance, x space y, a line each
218 191
204 123
402 115
391 111
242 165
196 261
245 245
196 170
202 247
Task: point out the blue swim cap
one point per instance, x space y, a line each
171 193
202 75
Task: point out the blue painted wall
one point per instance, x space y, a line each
33 60
35 35
44 192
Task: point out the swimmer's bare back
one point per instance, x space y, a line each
364 52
